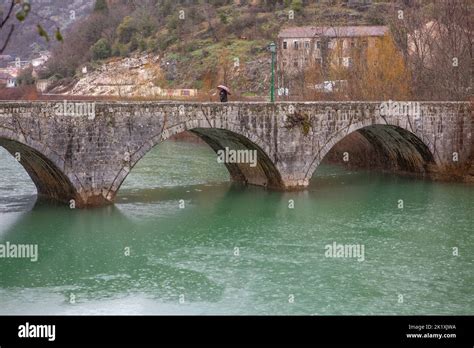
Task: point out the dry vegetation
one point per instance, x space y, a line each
428 55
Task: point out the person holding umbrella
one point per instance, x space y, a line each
223 92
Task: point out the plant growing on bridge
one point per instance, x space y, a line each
299 119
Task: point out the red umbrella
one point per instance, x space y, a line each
224 88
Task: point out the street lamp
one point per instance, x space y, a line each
272 48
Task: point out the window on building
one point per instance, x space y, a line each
318 44
345 61
285 45
295 45
306 44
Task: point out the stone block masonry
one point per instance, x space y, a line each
87 159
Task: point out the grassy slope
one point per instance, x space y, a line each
235 52
197 53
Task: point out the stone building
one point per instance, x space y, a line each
7 80
301 47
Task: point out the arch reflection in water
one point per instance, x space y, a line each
191 251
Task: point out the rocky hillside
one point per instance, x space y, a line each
135 48
131 76
148 75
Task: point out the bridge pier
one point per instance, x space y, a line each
263 173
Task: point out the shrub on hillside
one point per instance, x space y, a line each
297 5
120 50
126 30
101 50
25 77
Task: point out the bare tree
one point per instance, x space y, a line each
436 40
4 20
209 12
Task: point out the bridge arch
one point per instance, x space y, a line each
42 165
398 148
91 157
265 173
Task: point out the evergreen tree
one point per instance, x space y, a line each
101 6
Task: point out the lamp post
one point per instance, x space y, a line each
272 48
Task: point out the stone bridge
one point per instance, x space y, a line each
73 156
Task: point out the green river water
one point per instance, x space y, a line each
239 250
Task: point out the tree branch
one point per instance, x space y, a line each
7 40
12 4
